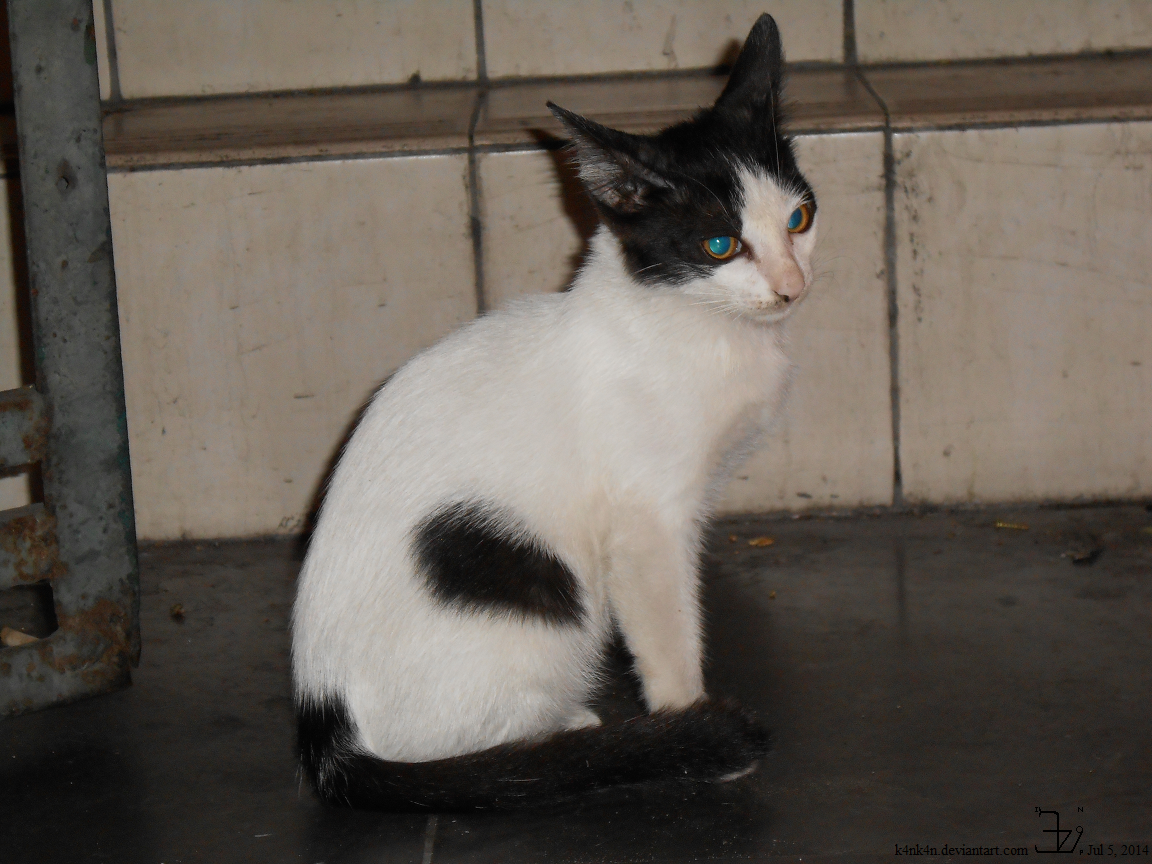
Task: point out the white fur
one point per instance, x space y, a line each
607 419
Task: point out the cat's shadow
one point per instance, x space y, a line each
577 206
619 696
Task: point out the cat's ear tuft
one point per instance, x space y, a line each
759 70
616 168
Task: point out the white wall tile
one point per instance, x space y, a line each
14 491
528 37
103 70
1025 302
209 46
892 30
833 445
260 307
534 227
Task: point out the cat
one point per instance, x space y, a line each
541 478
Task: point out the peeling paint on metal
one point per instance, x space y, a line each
28 548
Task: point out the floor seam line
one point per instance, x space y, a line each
429 839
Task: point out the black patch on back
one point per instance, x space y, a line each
473 558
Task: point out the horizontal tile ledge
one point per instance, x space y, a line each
1008 93
512 114
820 100
286 126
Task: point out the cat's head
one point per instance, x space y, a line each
716 205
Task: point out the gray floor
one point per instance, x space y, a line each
932 681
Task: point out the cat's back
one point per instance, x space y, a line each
473 416
488 378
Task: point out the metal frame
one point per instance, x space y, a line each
82 540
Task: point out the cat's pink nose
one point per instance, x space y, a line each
788 281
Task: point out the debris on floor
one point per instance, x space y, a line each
1084 555
11 638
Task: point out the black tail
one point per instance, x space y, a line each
707 740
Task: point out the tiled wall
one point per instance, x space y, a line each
200 47
1025 291
1022 285
261 304
904 30
260 307
533 38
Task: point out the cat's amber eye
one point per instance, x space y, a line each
722 248
801 219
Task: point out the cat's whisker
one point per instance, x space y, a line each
775 133
714 306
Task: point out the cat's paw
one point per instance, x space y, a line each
671 693
712 740
738 736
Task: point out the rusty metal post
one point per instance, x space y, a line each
83 539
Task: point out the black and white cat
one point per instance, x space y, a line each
543 476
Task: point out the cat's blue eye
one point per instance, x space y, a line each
801 219
722 248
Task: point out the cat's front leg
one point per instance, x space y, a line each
653 587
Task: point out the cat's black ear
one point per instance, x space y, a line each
618 170
759 70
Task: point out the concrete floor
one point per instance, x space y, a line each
932 681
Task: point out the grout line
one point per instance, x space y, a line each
429 839
604 78
1007 123
893 314
481 48
1010 60
843 513
475 216
139 103
285 160
893 304
850 56
611 77
114 94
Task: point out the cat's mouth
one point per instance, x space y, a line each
776 309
